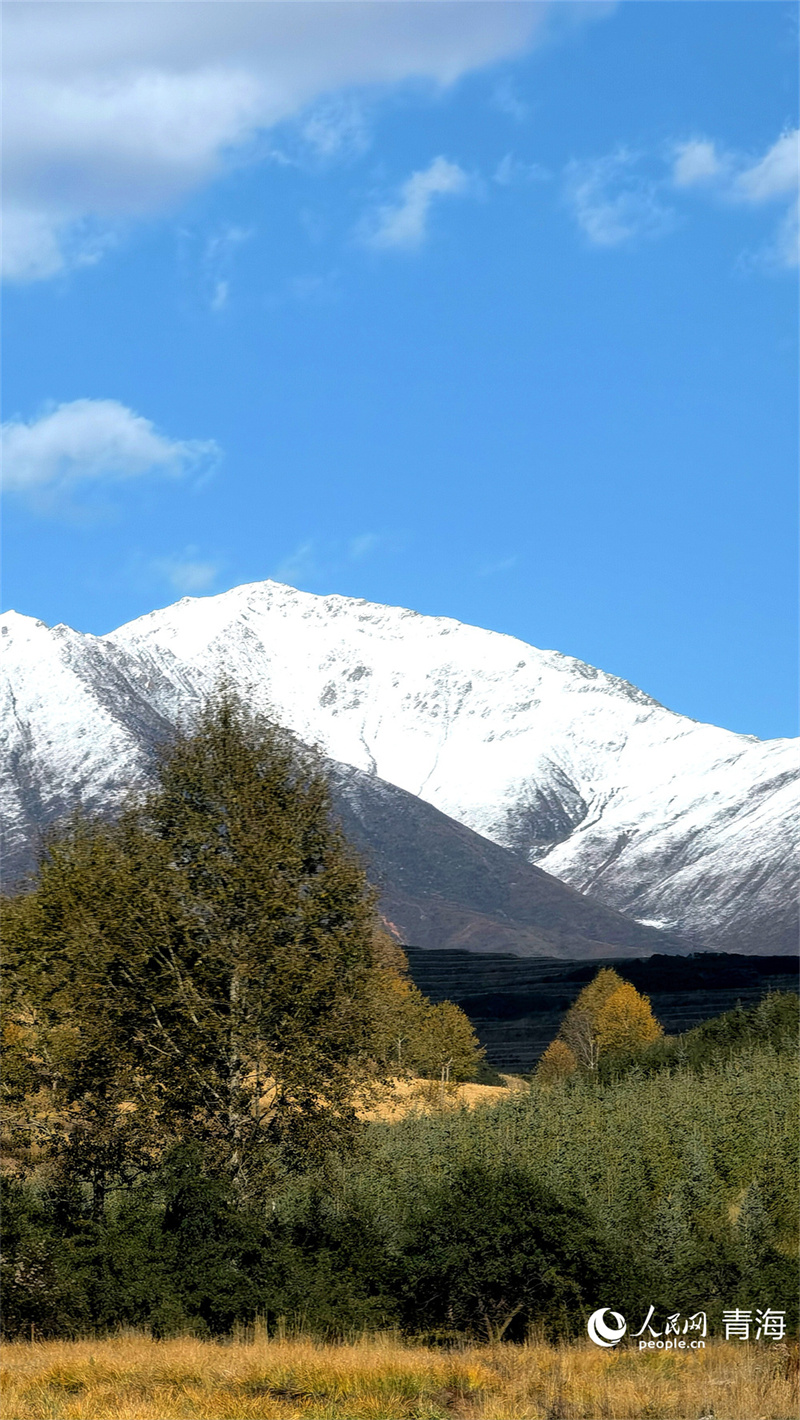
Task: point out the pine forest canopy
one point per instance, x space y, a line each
637 1178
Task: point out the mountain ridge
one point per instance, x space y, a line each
678 824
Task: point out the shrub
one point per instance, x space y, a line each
492 1251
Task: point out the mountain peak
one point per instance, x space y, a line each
653 814
15 623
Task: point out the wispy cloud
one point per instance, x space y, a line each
336 128
615 202
741 180
506 99
697 163
218 258
783 251
776 178
403 224
628 196
187 572
34 248
511 171
318 558
312 289
298 566
776 175
361 547
91 441
496 568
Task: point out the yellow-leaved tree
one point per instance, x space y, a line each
557 1063
625 1021
610 1014
412 1036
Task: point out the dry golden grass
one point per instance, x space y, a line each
131 1377
404 1097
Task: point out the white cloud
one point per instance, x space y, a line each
696 162
186 572
218 258
508 101
771 178
404 224
776 178
91 441
737 179
776 175
784 250
113 111
31 250
321 559
614 202
336 128
219 295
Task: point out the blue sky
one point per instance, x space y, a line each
488 310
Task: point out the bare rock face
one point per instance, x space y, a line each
688 828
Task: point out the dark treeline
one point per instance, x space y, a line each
517 1003
197 998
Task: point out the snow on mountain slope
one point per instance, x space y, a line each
76 729
442 885
669 820
654 814
72 726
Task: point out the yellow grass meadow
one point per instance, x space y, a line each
392 1102
132 1377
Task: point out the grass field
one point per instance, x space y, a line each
408 1097
131 1377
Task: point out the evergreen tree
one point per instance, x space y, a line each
490 1251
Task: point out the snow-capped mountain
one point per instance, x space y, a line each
76 729
679 824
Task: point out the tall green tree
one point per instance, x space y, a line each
201 968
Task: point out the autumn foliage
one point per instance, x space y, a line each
557 1063
625 1021
609 1015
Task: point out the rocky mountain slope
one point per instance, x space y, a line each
442 885
686 827
76 730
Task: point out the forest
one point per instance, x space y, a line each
200 997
